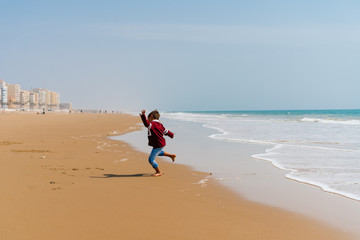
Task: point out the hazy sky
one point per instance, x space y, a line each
185 55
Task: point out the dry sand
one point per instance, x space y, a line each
62 178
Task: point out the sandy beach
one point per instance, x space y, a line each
61 177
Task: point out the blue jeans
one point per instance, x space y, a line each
154 153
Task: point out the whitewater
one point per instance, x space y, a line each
317 147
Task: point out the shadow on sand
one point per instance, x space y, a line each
123 175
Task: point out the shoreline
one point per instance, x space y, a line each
251 178
62 178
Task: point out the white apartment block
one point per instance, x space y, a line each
3 95
42 96
34 100
24 99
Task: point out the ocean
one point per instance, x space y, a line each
317 147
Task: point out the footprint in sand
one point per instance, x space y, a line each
6 143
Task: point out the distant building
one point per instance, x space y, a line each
34 100
24 99
13 95
3 95
65 106
42 97
48 98
54 100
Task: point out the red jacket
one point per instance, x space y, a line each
156 132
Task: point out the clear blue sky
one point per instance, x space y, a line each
185 55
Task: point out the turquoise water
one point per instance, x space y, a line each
342 114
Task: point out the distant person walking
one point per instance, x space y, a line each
156 132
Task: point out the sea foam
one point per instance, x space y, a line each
331 121
320 148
